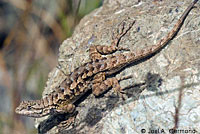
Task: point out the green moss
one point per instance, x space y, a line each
87 6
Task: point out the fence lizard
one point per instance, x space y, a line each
95 73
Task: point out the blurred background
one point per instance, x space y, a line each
30 35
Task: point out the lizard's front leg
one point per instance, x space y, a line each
67 123
97 51
69 109
65 108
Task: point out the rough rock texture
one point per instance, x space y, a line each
173 71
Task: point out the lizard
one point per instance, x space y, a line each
95 73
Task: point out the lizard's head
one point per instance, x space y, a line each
29 108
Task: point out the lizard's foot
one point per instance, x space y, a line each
69 122
118 90
121 31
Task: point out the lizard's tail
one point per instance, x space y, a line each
132 57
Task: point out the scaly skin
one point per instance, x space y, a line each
95 72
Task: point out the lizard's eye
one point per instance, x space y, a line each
29 107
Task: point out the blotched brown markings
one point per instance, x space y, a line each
113 60
100 49
103 66
81 70
95 69
121 59
79 80
98 66
89 70
73 85
55 98
67 91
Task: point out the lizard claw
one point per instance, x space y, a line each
122 95
122 48
125 77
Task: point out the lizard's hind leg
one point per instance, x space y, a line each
101 85
97 51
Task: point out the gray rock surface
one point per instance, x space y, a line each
173 71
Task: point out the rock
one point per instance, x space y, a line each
173 71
